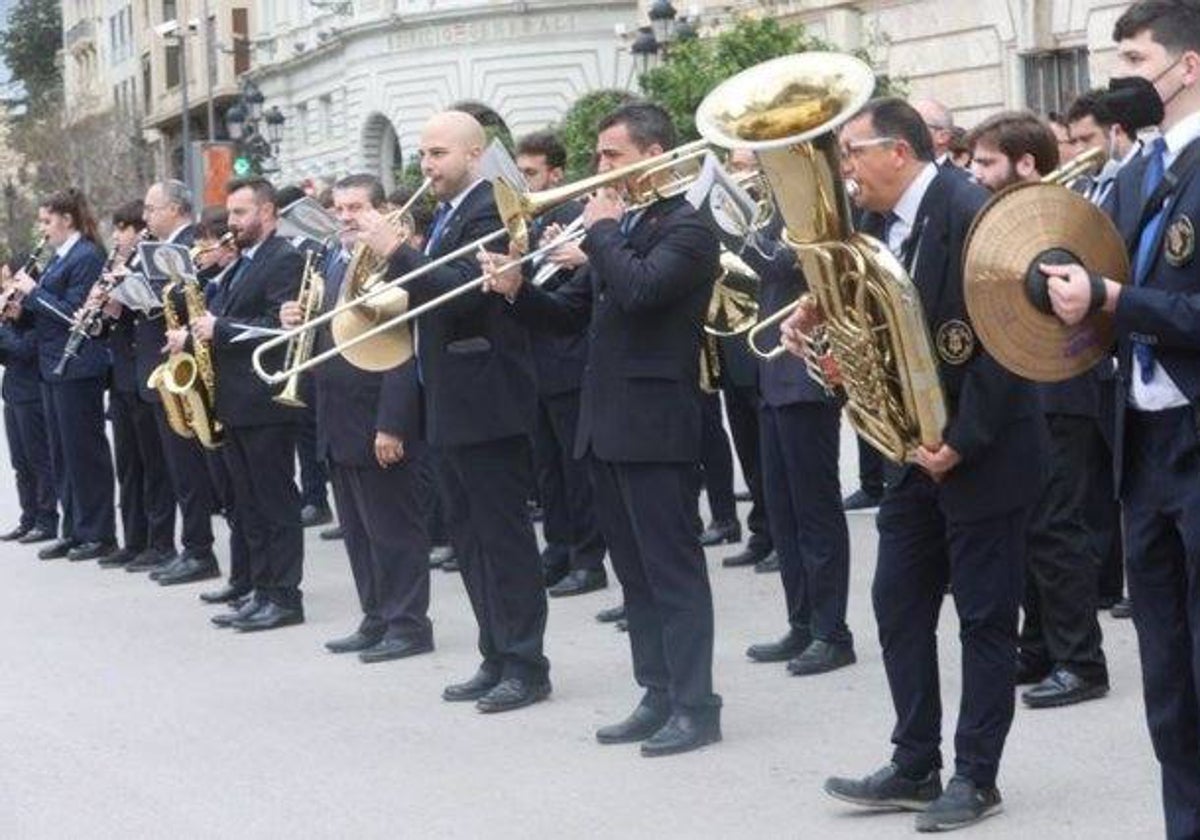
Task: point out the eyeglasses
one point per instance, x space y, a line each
857 147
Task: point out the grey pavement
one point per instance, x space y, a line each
125 714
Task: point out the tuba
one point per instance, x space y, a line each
787 111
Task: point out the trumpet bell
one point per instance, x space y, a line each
381 352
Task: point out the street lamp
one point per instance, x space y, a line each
662 16
275 120
245 121
644 49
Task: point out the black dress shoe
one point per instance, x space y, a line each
225 595
190 569
56 550
440 554
120 557
750 557
579 582
337 532
150 559
91 551
313 515
721 533
513 693
356 641
649 717
474 688
820 657
793 643
248 607
1063 688
37 535
768 565
1121 609
887 788
270 617
862 500
608 616
556 564
683 732
16 533
1030 672
173 565
398 648
962 804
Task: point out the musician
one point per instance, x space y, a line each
260 435
645 293
369 432
25 425
1156 205
940 121
74 401
573 561
168 215
147 499
957 515
480 402
800 427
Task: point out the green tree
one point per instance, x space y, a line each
29 44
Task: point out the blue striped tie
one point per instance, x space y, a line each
1155 170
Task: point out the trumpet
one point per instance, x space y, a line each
381 309
312 290
200 250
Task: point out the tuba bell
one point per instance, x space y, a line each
787 111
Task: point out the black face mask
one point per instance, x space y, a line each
1134 103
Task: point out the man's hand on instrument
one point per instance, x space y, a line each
389 449
202 327
606 203
379 233
566 255
938 462
113 309
502 274
95 299
805 317
291 315
176 341
1075 294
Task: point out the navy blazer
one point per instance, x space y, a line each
1164 311
64 285
121 344
994 417
19 355
253 299
646 295
558 357
475 361
784 380
353 404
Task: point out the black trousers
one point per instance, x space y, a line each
565 486
192 485
1102 510
646 515
716 461
1061 627
314 473
383 514
435 512
265 524
147 499
870 468
920 552
487 485
29 451
1161 495
81 458
741 409
804 504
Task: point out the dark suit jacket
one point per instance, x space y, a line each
1164 311
475 360
353 404
150 330
994 417
18 354
783 380
65 285
558 357
646 296
272 279
122 346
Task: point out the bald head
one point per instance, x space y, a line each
451 145
940 121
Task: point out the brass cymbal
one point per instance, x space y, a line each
1005 293
384 351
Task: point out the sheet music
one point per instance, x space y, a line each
136 293
249 332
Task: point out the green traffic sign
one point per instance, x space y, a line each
242 166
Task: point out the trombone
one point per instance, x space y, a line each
654 179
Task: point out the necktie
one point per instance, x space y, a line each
890 220
436 227
1155 170
239 271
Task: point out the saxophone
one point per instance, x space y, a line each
192 379
178 412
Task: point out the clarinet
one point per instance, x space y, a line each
32 269
89 320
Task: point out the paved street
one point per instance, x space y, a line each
126 714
